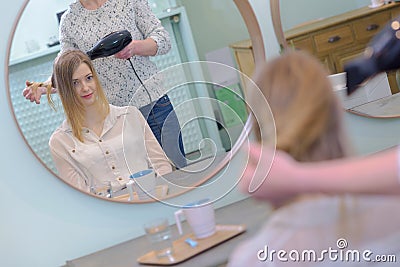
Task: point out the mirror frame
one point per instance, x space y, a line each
277 23
250 19
254 30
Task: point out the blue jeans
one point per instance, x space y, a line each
161 117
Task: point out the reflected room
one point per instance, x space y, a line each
199 73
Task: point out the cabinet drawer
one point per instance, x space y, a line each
305 44
368 27
342 58
333 39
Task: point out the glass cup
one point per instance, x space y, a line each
102 189
158 232
143 183
376 3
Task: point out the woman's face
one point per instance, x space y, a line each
85 85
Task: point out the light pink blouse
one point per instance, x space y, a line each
126 145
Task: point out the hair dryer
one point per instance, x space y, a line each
110 44
381 54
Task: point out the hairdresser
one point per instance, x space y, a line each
84 24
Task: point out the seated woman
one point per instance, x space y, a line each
309 127
98 141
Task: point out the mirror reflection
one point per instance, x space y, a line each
291 18
339 34
208 102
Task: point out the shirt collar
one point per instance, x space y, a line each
111 119
115 113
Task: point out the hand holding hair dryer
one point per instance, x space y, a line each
110 44
381 54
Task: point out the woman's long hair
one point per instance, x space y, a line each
63 69
307 114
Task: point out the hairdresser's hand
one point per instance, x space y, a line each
147 47
127 52
277 183
33 91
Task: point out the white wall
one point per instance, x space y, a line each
326 8
262 11
41 17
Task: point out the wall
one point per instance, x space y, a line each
30 23
221 26
300 13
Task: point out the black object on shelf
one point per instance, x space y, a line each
53 43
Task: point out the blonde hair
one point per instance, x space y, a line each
63 69
307 114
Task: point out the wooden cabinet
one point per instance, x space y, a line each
334 40
339 39
243 54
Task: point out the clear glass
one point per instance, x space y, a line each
158 233
144 184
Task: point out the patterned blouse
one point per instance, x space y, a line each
82 28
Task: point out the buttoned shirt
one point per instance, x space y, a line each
125 146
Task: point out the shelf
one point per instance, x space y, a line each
38 54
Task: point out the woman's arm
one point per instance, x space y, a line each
151 28
156 38
286 178
67 171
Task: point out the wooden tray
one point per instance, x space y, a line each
161 192
182 250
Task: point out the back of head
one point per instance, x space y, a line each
307 114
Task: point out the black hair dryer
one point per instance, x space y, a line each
381 54
110 44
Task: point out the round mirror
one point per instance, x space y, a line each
199 72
